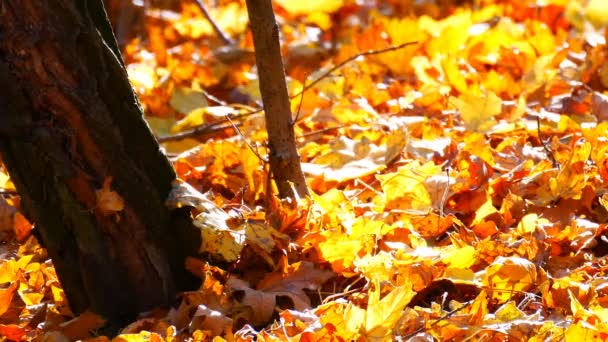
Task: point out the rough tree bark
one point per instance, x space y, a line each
284 158
69 120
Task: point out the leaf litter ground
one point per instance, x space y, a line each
458 182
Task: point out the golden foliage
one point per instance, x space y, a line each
458 183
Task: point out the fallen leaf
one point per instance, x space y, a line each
478 111
108 200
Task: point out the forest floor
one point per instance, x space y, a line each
456 152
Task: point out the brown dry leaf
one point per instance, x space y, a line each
210 320
108 200
217 238
289 283
80 327
349 159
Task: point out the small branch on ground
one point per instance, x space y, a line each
348 60
221 34
545 147
207 128
8 192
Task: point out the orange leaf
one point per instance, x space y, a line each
6 296
12 332
22 227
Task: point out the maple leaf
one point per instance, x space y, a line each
510 276
478 111
378 322
290 283
405 188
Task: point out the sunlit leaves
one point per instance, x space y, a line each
478 110
597 12
348 159
232 18
377 322
405 188
185 100
458 183
509 277
295 7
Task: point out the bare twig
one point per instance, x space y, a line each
547 149
8 192
207 128
322 130
223 36
213 98
198 131
255 151
293 122
444 197
440 319
348 60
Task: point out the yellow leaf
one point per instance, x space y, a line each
260 234
143 77
528 223
509 312
405 188
341 250
582 331
349 159
487 209
310 6
479 309
144 336
218 239
571 178
344 319
478 111
186 100
28 295
461 258
223 242
383 314
197 116
509 276
231 18
597 12
336 209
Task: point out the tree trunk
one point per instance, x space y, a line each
284 158
70 121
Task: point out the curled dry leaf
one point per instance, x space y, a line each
108 200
